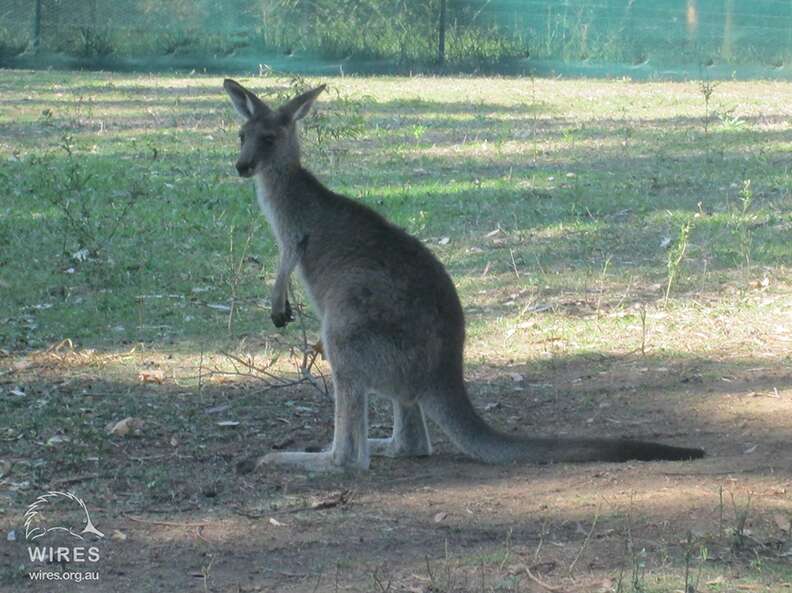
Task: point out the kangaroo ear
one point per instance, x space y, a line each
300 106
245 102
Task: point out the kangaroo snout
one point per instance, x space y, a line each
244 169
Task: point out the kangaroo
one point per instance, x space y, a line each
391 321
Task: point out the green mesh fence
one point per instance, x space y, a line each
639 38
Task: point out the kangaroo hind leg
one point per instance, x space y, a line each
350 447
410 436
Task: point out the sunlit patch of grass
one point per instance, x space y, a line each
177 135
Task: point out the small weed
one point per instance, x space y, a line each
643 329
534 121
707 89
693 551
743 223
730 122
46 118
585 543
418 132
324 127
676 255
637 559
68 185
638 570
741 514
237 260
382 581
444 581
626 130
602 284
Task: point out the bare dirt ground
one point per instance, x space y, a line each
442 523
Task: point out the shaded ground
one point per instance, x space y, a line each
178 518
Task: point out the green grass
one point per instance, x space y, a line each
120 206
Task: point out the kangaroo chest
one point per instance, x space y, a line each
265 204
292 239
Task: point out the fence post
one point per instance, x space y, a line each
36 43
441 35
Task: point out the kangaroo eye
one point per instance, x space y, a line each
241 138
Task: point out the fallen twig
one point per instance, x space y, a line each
750 470
167 510
293 575
73 479
328 503
252 369
165 523
541 583
338 499
200 536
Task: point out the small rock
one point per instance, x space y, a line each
152 376
782 522
56 440
125 427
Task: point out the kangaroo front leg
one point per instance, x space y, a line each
281 309
410 436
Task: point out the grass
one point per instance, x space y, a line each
599 232
121 207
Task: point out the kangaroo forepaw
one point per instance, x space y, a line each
280 319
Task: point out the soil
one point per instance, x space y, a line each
444 523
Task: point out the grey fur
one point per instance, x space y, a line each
392 324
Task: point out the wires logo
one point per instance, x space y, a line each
37 524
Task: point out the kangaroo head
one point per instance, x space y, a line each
268 137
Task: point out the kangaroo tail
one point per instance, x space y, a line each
455 414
